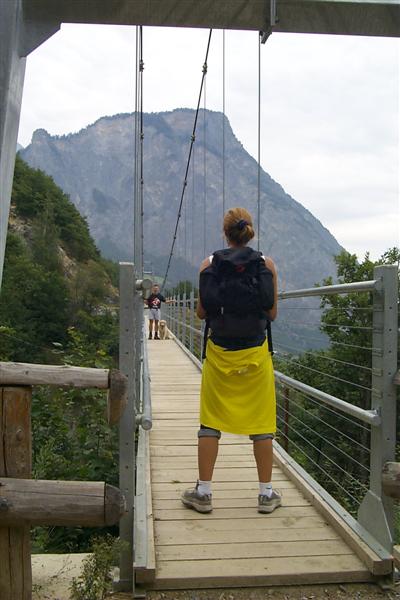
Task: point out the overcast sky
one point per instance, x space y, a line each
330 108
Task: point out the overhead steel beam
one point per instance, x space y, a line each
344 17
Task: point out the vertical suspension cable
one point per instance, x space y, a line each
205 170
138 157
193 205
185 248
136 200
178 254
259 144
141 68
223 132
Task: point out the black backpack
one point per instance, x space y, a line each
235 291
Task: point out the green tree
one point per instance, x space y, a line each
330 446
182 287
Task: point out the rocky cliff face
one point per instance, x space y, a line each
96 167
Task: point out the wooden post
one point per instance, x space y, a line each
117 398
15 461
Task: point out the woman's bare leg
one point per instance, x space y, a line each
263 454
207 455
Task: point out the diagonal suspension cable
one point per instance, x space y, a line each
193 138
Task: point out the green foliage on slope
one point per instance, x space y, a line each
332 447
36 195
57 306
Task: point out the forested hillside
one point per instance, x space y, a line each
58 305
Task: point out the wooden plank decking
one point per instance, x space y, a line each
234 545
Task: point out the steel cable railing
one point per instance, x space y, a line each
328 358
314 432
309 428
325 423
328 475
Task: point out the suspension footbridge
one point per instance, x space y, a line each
313 537
304 541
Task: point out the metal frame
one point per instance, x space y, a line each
133 362
127 429
376 511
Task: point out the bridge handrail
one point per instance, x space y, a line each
371 417
325 290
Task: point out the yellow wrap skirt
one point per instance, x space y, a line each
238 390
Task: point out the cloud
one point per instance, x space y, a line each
364 234
330 105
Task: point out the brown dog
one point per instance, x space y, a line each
163 330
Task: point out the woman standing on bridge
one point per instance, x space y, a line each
237 389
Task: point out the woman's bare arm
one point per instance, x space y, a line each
273 312
201 313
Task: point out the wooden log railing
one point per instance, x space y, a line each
24 501
66 503
112 380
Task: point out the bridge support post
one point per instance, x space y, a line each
191 333
178 318
175 316
12 72
184 324
17 39
127 430
376 512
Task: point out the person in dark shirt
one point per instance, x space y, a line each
154 304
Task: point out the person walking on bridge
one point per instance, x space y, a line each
154 303
238 296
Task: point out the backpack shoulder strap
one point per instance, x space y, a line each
269 338
205 338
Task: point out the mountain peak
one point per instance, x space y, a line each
96 168
40 135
